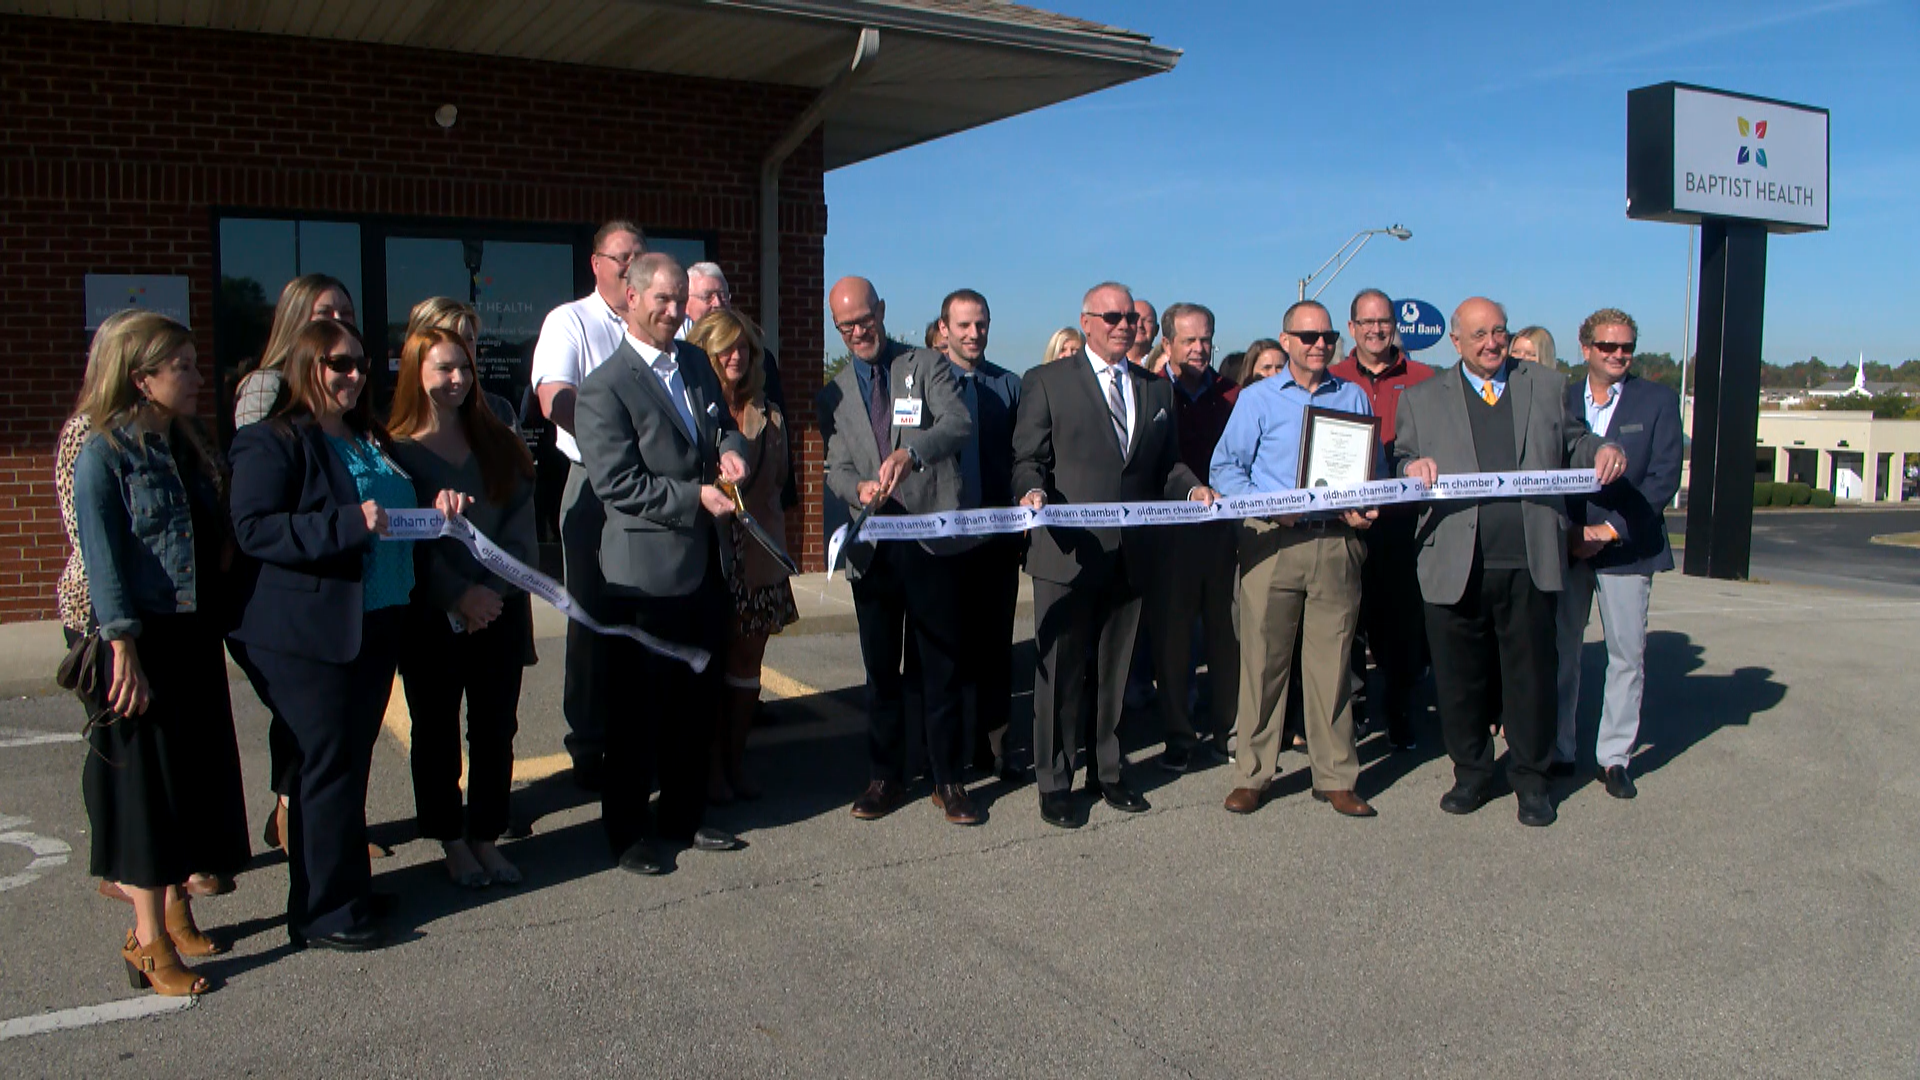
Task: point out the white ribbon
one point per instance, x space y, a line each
432 525
1133 515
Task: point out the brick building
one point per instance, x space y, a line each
217 148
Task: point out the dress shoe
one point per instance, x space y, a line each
1345 802
1122 798
362 938
1399 742
1463 800
641 858
952 800
1560 770
1007 772
1619 784
158 965
1176 759
1056 808
710 839
1537 811
275 830
1245 800
186 935
209 885
881 798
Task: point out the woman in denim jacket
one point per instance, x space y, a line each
162 780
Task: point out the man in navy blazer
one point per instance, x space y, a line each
1621 542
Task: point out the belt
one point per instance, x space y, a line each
1309 523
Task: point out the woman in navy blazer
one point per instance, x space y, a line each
325 614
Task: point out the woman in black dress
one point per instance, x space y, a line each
162 778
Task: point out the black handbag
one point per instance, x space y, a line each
84 671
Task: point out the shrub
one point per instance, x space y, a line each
1802 493
1763 493
1823 498
1783 494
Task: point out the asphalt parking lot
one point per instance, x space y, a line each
1756 912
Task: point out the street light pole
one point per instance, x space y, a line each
1398 232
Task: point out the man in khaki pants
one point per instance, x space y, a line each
1299 574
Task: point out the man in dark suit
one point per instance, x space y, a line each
654 435
989 575
898 427
1621 542
1092 428
1489 568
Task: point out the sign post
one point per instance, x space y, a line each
1740 167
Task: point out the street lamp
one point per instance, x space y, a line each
1398 232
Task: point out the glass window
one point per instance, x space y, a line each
258 256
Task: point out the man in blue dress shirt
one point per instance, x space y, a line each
1299 575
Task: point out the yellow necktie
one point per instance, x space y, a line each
1487 392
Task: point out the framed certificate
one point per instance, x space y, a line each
1338 448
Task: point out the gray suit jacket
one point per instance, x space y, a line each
1432 423
945 427
648 473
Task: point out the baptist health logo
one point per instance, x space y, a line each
1756 130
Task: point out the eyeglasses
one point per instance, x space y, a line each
1314 337
1498 333
1383 324
618 260
715 297
347 363
1624 348
1115 318
865 323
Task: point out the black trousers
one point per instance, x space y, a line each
661 711
581 518
988 578
333 712
1195 582
437 669
1494 658
282 749
1097 617
908 592
1391 619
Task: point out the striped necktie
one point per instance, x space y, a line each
1117 407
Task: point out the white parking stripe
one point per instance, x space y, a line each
22 737
87 1016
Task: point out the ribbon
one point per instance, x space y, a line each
433 525
1132 515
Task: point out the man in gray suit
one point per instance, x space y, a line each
1489 568
654 435
1092 428
897 426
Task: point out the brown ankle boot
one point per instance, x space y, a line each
158 966
187 938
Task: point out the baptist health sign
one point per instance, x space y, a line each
1694 153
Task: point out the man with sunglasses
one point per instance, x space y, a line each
1489 568
1390 618
1092 428
575 339
1299 575
1619 542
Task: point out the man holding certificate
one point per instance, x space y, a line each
1299 573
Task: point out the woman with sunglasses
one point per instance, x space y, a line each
470 631
162 775
311 489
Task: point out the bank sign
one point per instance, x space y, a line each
1694 154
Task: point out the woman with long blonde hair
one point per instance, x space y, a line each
162 776
305 298
471 630
1064 343
762 597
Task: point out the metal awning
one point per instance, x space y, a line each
948 65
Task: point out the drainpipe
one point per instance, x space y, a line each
864 52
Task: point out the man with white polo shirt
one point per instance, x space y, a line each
576 338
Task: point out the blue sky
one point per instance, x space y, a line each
1495 131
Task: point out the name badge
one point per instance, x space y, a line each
906 412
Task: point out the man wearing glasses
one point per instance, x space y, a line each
1488 568
1299 575
1620 540
1092 428
896 427
707 290
576 338
1389 593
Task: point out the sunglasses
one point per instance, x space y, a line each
1315 337
1625 348
347 363
1115 318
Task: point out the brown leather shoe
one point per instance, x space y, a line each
186 935
158 965
1245 800
1345 802
881 798
952 799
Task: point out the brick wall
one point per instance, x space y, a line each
116 143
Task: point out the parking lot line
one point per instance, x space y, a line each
89 1015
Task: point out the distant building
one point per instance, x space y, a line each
1850 454
1859 387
